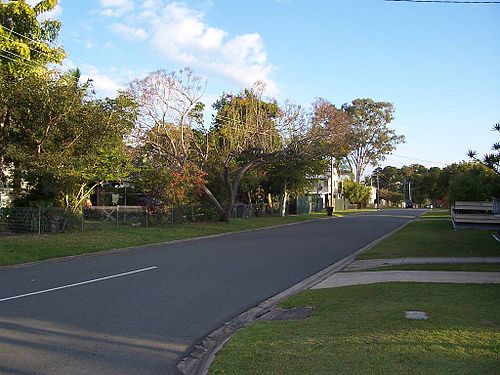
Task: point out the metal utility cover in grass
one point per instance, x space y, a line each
416 315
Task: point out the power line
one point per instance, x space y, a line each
27 37
427 161
16 61
445 1
30 48
26 60
39 41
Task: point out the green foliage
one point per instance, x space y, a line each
391 196
245 124
491 160
243 136
357 193
62 140
476 183
370 137
25 42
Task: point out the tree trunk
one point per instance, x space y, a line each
211 198
17 178
233 187
270 203
283 200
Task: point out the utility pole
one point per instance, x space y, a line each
378 191
332 201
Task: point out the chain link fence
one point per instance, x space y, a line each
40 220
36 220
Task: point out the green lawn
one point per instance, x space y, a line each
432 238
470 267
27 248
437 213
362 330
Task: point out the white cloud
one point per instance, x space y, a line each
116 8
105 84
151 4
181 34
129 32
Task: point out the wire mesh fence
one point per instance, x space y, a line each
54 220
36 219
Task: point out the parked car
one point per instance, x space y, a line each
409 204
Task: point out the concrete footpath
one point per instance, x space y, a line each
373 263
371 277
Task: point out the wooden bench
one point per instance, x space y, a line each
474 213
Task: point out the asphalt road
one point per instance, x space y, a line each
140 311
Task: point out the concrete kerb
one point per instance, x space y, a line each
201 357
156 244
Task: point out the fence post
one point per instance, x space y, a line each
39 219
83 216
117 217
147 216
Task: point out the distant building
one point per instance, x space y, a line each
324 186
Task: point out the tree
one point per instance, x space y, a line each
390 196
370 138
64 141
332 128
244 135
25 50
25 42
473 182
169 134
301 158
491 160
357 193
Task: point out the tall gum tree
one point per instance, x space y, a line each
370 137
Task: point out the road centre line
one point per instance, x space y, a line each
80 283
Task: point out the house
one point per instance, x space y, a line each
324 188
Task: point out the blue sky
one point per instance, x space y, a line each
438 63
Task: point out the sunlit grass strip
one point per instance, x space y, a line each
434 238
437 213
362 330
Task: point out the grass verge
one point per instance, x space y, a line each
28 248
434 238
362 330
469 267
437 213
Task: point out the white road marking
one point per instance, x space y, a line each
80 283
